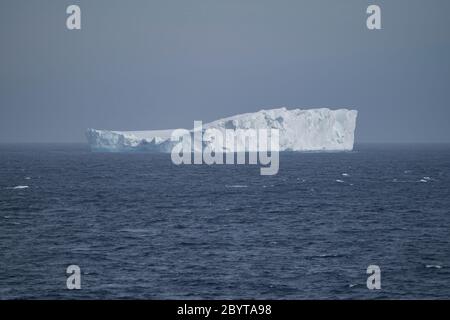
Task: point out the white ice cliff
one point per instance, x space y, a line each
299 130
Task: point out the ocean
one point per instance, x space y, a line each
141 227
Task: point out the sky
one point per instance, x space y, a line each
161 64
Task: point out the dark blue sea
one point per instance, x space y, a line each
139 226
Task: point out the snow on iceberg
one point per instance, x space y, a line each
299 130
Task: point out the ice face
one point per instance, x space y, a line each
299 130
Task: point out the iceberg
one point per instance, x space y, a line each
319 129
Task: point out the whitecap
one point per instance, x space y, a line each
340 181
423 180
20 187
327 255
434 266
345 174
236 186
27 178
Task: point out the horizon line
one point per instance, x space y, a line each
356 143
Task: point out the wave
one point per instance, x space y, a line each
18 187
236 186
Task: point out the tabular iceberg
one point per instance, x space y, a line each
299 130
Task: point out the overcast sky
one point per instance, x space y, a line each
159 64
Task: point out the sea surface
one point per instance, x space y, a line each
141 227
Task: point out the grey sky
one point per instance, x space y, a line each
163 64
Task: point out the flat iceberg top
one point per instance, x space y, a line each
147 134
299 129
